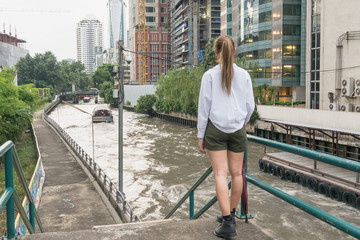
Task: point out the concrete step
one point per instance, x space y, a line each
161 229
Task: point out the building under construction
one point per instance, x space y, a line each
11 49
174 35
193 24
151 51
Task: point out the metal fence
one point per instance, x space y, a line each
94 168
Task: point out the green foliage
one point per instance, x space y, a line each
106 92
44 70
265 93
179 91
251 67
109 68
254 116
26 95
209 56
101 76
128 102
282 103
15 115
145 103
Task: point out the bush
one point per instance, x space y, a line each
128 102
145 103
254 116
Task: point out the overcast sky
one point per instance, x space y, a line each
51 31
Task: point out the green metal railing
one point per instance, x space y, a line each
10 196
318 213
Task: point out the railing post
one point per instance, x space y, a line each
32 214
9 182
191 198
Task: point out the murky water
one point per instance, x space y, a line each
161 163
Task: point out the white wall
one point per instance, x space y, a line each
134 92
337 17
325 119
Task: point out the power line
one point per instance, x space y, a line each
32 10
164 59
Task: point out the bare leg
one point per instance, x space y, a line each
235 161
219 162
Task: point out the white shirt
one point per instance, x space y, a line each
228 113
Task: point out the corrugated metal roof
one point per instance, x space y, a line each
344 131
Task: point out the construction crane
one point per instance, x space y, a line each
142 42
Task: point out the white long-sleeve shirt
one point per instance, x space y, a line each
228 113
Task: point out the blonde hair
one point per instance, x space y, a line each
224 48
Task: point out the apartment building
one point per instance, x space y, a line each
89 34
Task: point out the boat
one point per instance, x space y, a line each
101 114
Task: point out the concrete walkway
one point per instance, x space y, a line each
71 199
159 230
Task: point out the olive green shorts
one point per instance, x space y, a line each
216 140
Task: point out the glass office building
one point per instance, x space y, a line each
273 34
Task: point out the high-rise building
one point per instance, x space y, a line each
272 34
89 35
157 42
333 55
193 24
116 22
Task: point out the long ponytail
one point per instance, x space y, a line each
224 48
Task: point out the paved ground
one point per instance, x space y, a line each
159 230
70 200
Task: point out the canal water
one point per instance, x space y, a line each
161 162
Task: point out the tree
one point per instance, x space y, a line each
106 92
14 113
109 68
45 71
145 103
210 57
100 76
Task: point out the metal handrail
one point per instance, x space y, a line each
10 196
92 166
318 213
322 157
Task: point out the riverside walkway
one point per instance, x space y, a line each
71 200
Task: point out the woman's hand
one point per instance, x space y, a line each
201 146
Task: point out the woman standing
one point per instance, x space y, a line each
226 102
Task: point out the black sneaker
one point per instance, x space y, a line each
227 229
219 218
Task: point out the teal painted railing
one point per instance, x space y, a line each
318 213
10 196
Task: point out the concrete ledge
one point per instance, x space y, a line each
160 230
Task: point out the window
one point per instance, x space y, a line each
265 17
229 17
150 9
163 19
163 10
291 71
265 35
292 10
291 30
150 19
264 1
291 50
150 1
154 47
162 1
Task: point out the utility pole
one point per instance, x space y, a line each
120 46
